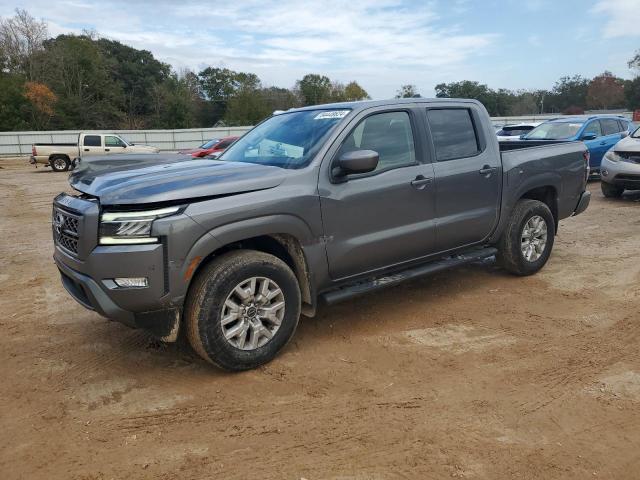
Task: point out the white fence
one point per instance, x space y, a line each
19 143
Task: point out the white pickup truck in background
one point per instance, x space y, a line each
60 156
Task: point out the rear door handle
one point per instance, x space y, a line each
421 181
86 149
603 143
487 170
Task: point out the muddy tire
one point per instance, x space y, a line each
59 163
611 191
242 308
525 245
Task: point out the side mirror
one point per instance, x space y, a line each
523 136
589 136
624 134
356 161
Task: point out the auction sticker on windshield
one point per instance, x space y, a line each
331 114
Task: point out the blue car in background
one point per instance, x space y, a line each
598 132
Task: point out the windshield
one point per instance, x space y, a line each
287 140
210 143
636 133
125 140
554 131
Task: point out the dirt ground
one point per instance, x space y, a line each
470 373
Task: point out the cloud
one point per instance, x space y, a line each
282 39
624 17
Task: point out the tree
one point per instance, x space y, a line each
605 91
470 89
407 91
14 106
20 37
75 69
568 93
354 92
314 89
137 73
42 100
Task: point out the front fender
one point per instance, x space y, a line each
230 233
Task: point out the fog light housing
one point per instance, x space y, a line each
604 172
132 282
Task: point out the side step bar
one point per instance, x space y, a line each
372 285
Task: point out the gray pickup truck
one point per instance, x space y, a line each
314 205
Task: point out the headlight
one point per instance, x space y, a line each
119 228
612 156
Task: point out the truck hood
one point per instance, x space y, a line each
628 144
141 179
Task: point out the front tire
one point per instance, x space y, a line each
525 245
611 191
59 163
242 309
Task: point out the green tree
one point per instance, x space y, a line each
568 93
76 71
14 106
315 89
407 91
137 74
354 92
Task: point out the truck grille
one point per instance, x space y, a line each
65 230
633 157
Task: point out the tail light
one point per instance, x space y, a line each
33 150
587 168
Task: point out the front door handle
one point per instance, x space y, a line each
603 143
421 181
86 149
487 170
107 150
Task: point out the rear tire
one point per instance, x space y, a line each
240 331
611 191
59 163
525 245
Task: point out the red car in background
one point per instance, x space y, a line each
215 145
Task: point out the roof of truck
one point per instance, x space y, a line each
362 104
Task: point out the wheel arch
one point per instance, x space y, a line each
283 238
547 194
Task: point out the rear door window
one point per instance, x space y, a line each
609 126
453 132
92 141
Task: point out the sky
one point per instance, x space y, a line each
382 44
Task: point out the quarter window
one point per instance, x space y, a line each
92 141
454 135
389 134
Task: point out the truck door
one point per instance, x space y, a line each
113 144
91 145
468 177
384 217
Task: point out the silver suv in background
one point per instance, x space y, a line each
620 169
